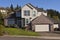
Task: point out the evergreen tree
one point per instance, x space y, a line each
53 14
17 7
11 7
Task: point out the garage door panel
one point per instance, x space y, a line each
41 28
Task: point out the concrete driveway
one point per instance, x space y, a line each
54 34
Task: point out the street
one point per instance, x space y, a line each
23 38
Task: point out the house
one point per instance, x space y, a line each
13 19
3 11
38 18
29 12
33 17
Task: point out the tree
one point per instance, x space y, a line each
1 18
53 14
56 18
17 7
11 7
1 15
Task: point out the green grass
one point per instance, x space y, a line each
15 31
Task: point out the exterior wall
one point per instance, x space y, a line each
26 8
39 13
33 27
56 26
5 22
31 17
31 12
45 13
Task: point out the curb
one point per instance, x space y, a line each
43 37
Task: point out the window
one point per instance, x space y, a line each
34 13
11 21
26 13
26 21
17 14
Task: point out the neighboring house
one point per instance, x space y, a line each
3 11
13 19
43 23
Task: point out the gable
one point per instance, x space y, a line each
26 8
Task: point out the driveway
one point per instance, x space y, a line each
56 34
23 38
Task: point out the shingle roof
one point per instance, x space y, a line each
43 20
10 15
53 20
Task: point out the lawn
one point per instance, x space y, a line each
16 31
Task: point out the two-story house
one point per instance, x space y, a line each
13 19
36 17
29 12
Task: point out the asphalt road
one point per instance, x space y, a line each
22 38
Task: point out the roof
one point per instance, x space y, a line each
42 19
53 20
10 15
38 9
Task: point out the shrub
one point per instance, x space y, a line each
1 30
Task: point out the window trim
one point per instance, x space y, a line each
34 13
26 12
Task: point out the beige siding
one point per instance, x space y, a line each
39 13
31 13
5 22
45 14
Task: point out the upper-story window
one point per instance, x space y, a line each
27 13
18 14
34 13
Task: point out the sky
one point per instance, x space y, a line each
46 4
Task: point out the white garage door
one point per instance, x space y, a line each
41 28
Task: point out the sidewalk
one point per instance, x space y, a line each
43 37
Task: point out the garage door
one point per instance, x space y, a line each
41 28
